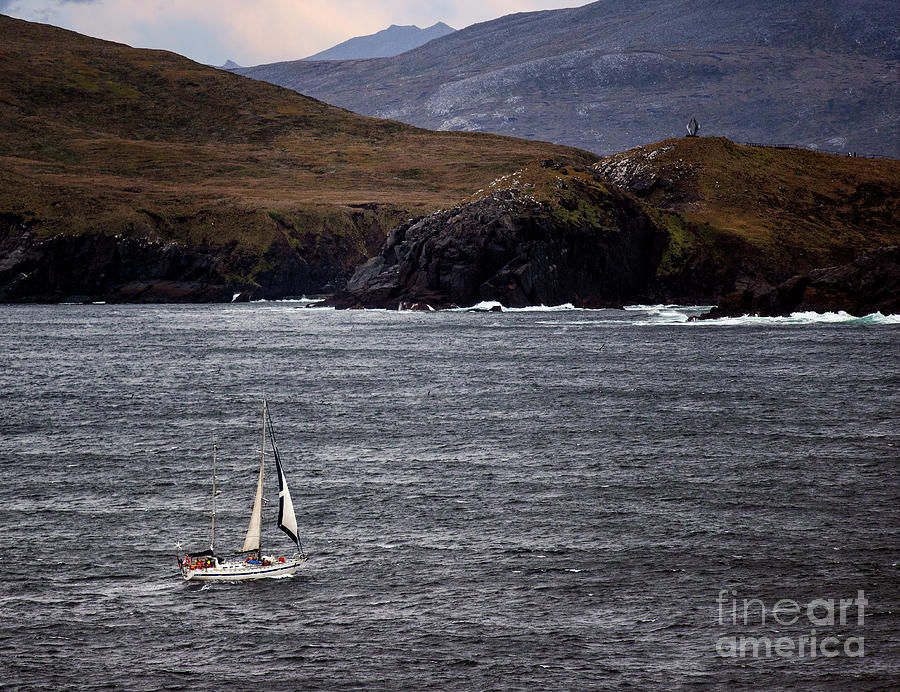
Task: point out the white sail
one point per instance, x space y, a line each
251 542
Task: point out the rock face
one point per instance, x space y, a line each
512 249
140 264
111 269
871 283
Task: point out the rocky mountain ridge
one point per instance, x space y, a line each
609 76
385 43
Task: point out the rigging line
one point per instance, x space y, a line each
212 538
271 429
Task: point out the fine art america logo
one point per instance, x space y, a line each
821 614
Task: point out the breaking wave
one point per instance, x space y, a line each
841 317
646 315
493 305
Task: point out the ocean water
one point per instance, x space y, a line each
539 499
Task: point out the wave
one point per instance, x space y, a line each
653 315
668 306
493 305
297 301
840 317
665 314
681 314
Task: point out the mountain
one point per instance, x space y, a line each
385 43
230 65
130 174
609 76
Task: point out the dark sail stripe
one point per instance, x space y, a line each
281 490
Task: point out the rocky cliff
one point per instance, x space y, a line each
156 259
547 235
112 269
510 249
871 283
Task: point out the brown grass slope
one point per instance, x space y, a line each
788 210
98 137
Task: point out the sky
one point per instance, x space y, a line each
252 32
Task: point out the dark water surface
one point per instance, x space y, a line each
526 500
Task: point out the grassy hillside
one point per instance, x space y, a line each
794 209
97 137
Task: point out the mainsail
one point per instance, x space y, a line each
251 542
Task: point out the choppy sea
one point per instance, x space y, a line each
548 499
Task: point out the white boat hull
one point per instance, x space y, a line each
241 570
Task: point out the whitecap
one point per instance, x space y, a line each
493 305
809 317
666 313
660 306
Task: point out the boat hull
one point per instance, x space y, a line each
241 571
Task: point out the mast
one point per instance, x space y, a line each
212 536
262 467
251 542
262 443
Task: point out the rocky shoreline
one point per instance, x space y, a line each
89 268
510 249
548 234
98 267
869 284
505 248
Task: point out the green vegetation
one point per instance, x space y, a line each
681 248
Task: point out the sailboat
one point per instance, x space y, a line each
250 563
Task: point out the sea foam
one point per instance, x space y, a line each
840 317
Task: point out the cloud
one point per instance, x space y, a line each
253 32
